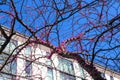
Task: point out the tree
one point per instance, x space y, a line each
92 27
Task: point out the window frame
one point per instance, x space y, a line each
62 62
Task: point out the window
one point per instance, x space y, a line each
13 68
111 78
10 46
10 67
66 69
103 75
5 77
64 76
28 68
50 74
66 66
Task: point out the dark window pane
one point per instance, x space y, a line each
28 67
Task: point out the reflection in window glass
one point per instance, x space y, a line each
50 74
66 66
28 67
64 76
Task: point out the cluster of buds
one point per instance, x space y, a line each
58 49
71 39
74 38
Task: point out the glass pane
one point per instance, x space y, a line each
66 66
64 76
14 67
3 57
5 77
28 67
61 67
48 62
10 47
10 67
7 48
50 74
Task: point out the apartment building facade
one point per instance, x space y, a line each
32 64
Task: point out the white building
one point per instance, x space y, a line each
32 64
